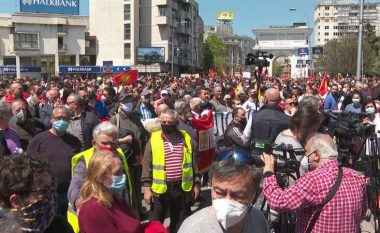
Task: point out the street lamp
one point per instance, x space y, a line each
307 17
173 28
308 26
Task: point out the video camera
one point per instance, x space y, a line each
349 125
286 161
259 59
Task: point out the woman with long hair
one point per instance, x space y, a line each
101 205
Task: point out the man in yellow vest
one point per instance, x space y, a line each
105 138
169 172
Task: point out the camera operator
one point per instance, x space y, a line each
335 195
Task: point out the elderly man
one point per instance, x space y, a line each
105 138
82 122
153 124
23 123
47 110
58 147
9 140
330 196
169 172
235 187
217 101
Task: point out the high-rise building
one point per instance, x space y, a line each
126 28
237 46
336 19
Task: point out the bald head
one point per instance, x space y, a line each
273 96
161 108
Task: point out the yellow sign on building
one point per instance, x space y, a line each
225 15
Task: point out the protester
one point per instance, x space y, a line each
101 205
10 143
46 111
105 138
233 136
169 174
58 147
235 187
28 190
355 106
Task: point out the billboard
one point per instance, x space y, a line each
107 66
150 55
317 50
70 7
225 15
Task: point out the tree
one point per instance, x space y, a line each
215 53
341 56
374 42
277 69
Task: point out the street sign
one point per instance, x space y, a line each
107 66
116 69
80 69
299 62
317 50
23 69
309 62
303 51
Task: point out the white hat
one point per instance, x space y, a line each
164 92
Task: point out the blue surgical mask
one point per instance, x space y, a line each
118 183
61 126
127 106
370 110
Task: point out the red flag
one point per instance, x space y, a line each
224 74
211 73
206 145
126 78
324 84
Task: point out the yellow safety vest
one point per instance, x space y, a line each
72 217
158 162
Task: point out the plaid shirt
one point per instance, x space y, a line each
342 214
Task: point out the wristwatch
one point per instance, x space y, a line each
268 174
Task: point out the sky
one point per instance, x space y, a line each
249 14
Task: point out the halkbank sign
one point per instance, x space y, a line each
50 6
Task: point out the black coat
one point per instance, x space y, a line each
268 123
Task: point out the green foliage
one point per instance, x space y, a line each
341 56
215 53
277 69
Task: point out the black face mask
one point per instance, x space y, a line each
168 129
243 123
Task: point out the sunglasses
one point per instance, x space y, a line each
237 156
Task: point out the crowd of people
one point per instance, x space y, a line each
82 155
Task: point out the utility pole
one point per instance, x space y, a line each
360 43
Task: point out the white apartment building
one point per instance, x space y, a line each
44 41
335 19
122 26
237 46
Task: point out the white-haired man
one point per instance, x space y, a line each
335 195
104 138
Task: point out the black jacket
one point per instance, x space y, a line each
233 138
268 123
88 122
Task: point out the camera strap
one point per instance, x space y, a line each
329 197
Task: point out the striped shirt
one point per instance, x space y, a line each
173 159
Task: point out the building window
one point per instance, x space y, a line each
127 31
127 51
162 11
127 11
26 40
327 8
326 27
326 33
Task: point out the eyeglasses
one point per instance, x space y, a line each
238 156
310 153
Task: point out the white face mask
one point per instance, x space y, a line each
305 164
229 212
